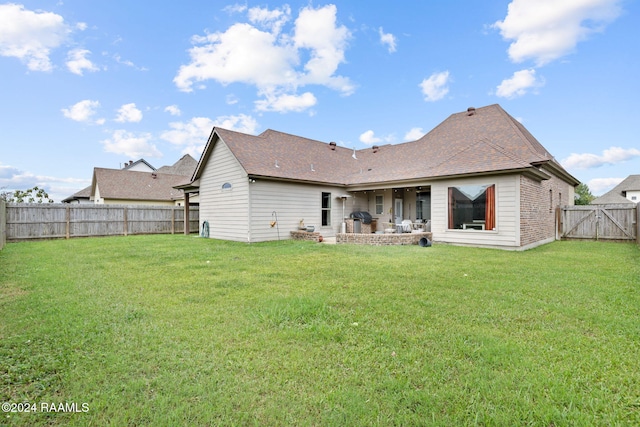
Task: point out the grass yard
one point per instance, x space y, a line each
178 330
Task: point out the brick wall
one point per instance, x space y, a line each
305 235
382 239
538 203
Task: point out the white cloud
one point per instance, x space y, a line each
435 87
83 111
30 36
519 84
285 103
270 19
231 99
173 110
269 60
388 39
316 30
131 144
193 135
77 61
12 178
239 123
545 30
242 54
414 134
129 113
369 138
610 156
599 186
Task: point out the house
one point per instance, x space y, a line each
138 183
82 196
627 192
139 166
480 177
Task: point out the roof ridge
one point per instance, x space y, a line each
518 127
457 153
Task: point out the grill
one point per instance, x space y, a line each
365 217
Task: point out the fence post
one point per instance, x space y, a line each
173 220
67 219
126 225
187 225
638 223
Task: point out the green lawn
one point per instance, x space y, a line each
179 330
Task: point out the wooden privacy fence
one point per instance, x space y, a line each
601 222
3 224
64 221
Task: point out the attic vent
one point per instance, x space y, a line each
332 145
375 148
471 111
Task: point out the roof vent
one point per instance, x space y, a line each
375 148
332 145
471 111
154 175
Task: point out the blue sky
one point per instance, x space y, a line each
95 84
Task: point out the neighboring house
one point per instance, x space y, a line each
138 183
82 196
139 166
480 177
117 186
628 191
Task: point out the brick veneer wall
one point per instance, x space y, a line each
538 203
305 235
382 239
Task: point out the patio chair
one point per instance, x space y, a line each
406 226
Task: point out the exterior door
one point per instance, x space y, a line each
397 210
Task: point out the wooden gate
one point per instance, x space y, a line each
600 222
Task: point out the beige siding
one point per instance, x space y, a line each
226 210
291 202
506 234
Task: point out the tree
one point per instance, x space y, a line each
32 195
583 194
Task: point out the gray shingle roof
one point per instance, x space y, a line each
484 140
131 185
185 166
616 194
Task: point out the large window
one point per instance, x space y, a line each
326 208
472 207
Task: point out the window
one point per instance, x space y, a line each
326 208
226 186
379 205
472 207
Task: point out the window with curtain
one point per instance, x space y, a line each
326 208
472 207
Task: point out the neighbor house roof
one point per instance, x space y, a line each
477 141
131 185
85 193
185 166
142 163
618 193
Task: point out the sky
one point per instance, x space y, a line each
87 84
